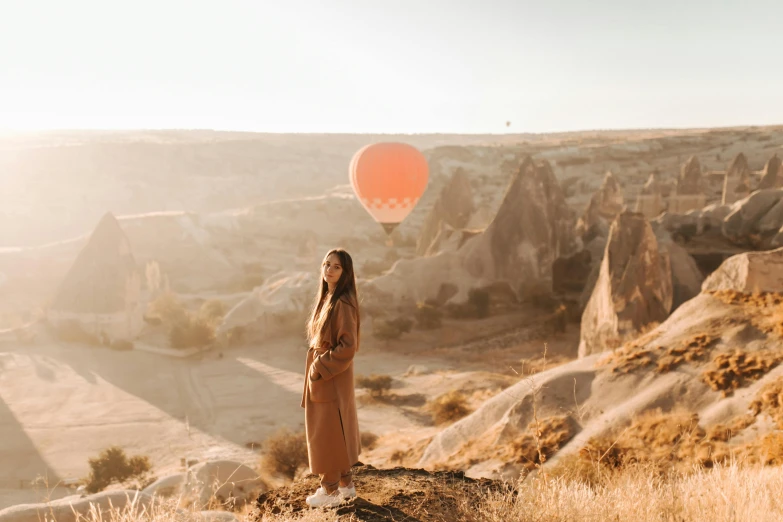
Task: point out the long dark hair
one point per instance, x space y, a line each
346 286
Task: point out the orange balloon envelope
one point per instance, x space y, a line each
389 179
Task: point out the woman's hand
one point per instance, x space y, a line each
314 375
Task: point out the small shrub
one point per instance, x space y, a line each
737 369
213 311
284 453
479 300
449 407
428 317
387 329
193 332
398 456
368 440
376 384
543 439
169 308
113 466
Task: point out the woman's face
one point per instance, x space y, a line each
332 269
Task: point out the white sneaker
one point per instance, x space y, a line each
323 499
349 492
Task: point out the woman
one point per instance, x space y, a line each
331 423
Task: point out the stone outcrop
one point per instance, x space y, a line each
743 224
607 202
649 202
748 273
102 290
690 180
736 183
222 479
772 176
282 296
689 192
634 286
453 208
72 509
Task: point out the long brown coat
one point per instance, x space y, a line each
331 422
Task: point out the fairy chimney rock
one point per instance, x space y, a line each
454 207
773 175
634 286
689 194
736 184
101 291
607 202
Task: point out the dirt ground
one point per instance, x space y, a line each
389 494
218 405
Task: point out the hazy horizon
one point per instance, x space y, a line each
370 68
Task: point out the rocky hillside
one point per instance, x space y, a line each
716 357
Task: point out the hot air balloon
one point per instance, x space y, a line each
389 179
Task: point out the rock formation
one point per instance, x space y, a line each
75 508
689 191
649 202
736 183
749 273
634 286
612 388
773 174
101 291
604 206
454 207
532 227
743 225
282 296
532 222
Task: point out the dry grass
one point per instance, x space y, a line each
284 453
764 309
368 440
736 369
377 385
635 355
449 407
671 442
732 492
639 495
694 350
769 400
543 439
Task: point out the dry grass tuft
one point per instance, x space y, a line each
368 440
543 439
112 466
769 400
693 350
377 385
764 309
641 495
732 370
634 356
724 432
667 443
284 453
449 407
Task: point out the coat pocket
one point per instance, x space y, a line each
322 390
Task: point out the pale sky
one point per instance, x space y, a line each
388 66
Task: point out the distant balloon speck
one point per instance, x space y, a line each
508 124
